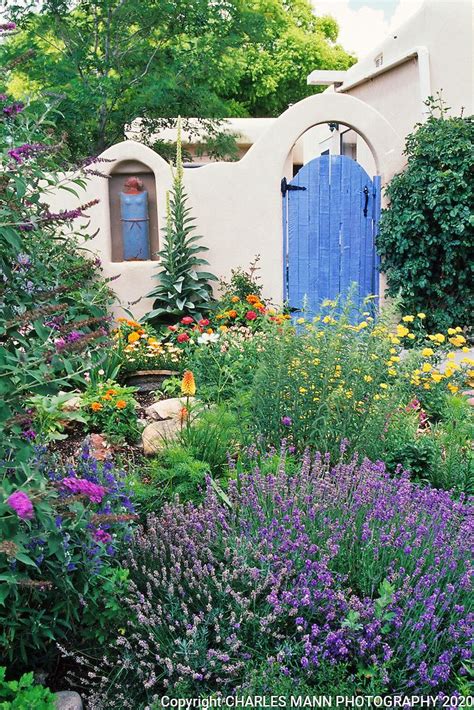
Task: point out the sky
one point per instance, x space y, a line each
365 23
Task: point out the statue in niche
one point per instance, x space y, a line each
135 220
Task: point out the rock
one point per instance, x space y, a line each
99 447
68 700
470 396
167 408
157 434
73 404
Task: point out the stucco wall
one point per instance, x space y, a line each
237 206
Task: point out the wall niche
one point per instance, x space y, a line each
133 212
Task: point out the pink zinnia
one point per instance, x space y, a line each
21 504
187 320
250 315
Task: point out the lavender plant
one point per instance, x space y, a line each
332 566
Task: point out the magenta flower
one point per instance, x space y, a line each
102 536
94 492
21 504
286 421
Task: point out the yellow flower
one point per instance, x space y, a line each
394 340
392 372
452 388
451 356
451 331
235 299
395 358
440 338
376 396
364 324
402 331
426 367
224 328
408 319
427 386
368 378
458 340
303 390
383 385
421 316
300 320
427 352
411 336
188 384
133 337
465 349
436 376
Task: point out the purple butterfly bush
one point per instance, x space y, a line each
334 564
20 502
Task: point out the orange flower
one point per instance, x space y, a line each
107 396
133 337
252 299
111 392
133 324
232 314
183 414
120 404
96 406
188 384
235 299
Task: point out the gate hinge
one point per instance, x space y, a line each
285 187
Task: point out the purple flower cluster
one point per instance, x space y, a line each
25 151
83 487
339 565
21 504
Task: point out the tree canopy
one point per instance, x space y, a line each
110 61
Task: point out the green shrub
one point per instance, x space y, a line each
110 409
24 694
425 238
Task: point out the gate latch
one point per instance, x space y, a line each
285 186
366 193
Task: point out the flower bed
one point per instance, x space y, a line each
341 565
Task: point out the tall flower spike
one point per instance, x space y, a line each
188 384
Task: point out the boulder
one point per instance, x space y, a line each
167 408
68 700
73 404
157 434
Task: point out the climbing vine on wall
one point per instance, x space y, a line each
426 234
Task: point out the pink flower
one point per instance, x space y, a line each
187 320
22 505
92 491
102 536
250 315
182 338
203 322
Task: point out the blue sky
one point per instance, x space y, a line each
388 6
364 24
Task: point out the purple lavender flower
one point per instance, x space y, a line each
286 421
21 504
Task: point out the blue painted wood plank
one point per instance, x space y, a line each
314 237
375 230
335 197
324 221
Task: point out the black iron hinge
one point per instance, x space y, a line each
285 187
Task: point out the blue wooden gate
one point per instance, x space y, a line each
331 211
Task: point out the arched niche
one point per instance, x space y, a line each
121 172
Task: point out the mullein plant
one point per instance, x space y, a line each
182 289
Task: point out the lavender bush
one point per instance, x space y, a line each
331 567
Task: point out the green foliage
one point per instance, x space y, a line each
24 693
175 472
426 233
51 416
182 289
110 409
103 612
109 61
212 437
242 283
